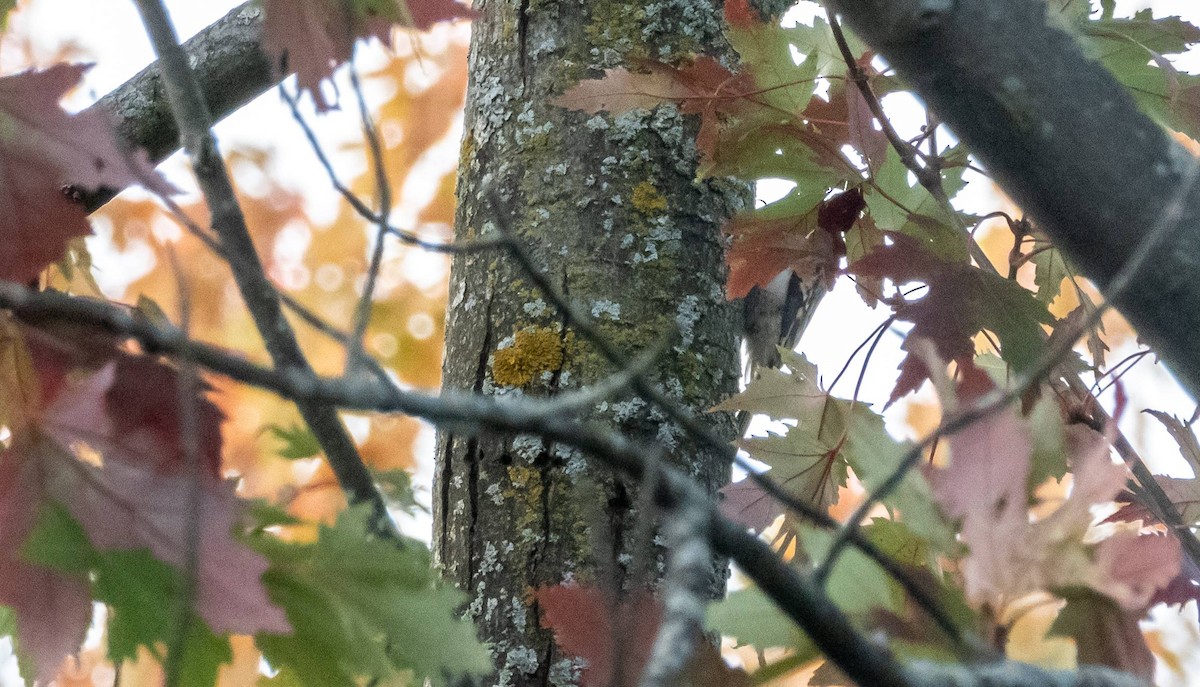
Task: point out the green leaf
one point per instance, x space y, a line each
152 311
830 435
808 467
912 633
204 653
766 52
1135 50
1183 435
1069 14
873 455
332 592
263 514
899 543
396 485
806 460
1049 271
285 676
1104 633
855 583
8 630
6 6
782 152
141 592
896 205
1013 313
1049 460
818 41
298 442
779 393
752 619
58 541
1133 37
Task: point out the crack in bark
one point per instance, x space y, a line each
444 489
522 35
472 453
545 472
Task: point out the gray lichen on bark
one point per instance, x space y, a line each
610 208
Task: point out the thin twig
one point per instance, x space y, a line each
909 154
188 392
361 208
236 262
383 190
700 432
1159 235
195 124
1150 490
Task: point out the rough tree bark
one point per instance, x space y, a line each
610 209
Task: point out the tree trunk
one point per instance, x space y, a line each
609 208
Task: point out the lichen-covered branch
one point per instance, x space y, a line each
796 594
230 67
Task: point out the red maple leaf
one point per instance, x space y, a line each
745 503
587 625
762 248
616 640
314 37
986 487
739 13
810 244
960 301
53 610
703 86
43 150
124 478
845 119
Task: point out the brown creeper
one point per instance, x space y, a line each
776 315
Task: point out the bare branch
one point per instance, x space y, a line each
191 114
797 595
383 190
1147 489
357 204
684 593
1161 235
231 68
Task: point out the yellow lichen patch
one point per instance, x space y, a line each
526 485
648 200
466 150
533 352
